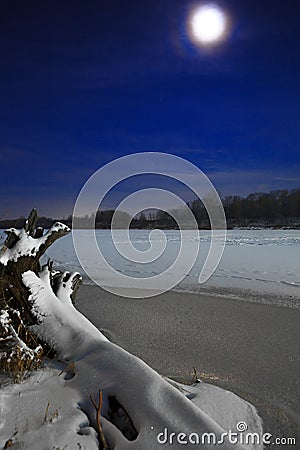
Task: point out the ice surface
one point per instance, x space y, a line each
262 261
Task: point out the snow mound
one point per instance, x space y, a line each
42 413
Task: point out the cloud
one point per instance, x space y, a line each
296 179
231 180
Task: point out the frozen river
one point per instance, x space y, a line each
258 261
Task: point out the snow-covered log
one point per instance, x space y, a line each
150 407
141 410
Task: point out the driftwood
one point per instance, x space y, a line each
20 349
136 405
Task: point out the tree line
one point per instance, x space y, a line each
280 208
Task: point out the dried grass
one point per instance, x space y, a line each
20 351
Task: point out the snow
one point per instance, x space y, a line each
13 345
152 402
64 424
61 325
27 245
23 415
52 409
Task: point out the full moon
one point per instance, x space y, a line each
208 24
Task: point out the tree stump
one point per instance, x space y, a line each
20 349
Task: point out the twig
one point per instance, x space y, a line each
46 412
69 370
98 415
49 418
195 378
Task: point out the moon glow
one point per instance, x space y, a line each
208 25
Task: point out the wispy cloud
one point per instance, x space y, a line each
230 180
292 179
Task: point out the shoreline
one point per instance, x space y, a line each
249 348
226 293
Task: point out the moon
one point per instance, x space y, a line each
208 25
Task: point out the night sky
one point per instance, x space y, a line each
85 82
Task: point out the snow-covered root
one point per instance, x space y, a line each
64 328
154 405
20 243
154 408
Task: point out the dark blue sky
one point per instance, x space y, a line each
84 82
